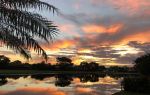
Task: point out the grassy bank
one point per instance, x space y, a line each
129 93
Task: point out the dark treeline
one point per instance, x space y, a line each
63 64
141 83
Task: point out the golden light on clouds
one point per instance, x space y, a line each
125 49
141 37
85 51
102 29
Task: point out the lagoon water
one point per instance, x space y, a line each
61 84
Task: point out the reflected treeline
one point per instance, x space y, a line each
3 78
89 78
3 81
62 80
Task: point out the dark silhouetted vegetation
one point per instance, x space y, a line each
115 69
19 27
63 64
61 80
129 93
136 84
142 64
140 84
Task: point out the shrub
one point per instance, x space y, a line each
140 85
142 64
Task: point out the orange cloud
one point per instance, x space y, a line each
101 29
141 37
83 90
59 44
114 28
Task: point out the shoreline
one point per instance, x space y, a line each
37 72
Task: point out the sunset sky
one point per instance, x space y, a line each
110 32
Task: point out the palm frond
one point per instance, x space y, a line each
26 21
22 40
25 4
19 28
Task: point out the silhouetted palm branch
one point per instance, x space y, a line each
19 28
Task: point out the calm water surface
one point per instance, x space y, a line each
90 84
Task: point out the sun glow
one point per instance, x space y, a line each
125 49
85 51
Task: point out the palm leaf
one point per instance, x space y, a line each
25 4
19 28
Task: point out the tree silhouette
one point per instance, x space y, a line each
84 66
93 66
4 62
19 28
63 80
142 64
89 78
63 60
3 81
41 66
64 63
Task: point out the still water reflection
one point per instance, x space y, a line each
60 84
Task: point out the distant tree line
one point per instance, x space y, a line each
63 64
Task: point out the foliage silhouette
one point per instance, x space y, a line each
63 80
19 28
114 69
64 63
3 81
136 84
92 66
4 62
41 66
89 78
142 64
140 84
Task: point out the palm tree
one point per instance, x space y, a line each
19 28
